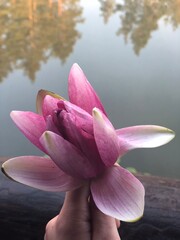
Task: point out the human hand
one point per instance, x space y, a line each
80 219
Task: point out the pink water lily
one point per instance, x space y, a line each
83 146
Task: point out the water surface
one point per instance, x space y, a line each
129 50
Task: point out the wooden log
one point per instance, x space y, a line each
24 211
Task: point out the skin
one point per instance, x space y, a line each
80 219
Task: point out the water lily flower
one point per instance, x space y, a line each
83 146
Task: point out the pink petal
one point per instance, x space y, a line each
69 128
78 130
31 125
67 156
49 105
119 194
50 125
39 172
81 92
84 118
40 99
106 138
145 136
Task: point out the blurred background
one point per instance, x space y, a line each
129 51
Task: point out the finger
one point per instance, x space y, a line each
51 233
103 226
117 223
73 222
77 198
76 205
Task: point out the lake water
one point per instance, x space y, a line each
129 50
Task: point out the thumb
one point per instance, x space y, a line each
72 218
76 202
103 226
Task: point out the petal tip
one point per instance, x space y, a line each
12 114
136 219
75 67
42 94
15 115
170 134
46 138
41 91
5 172
173 134
46 135
96 112
3 169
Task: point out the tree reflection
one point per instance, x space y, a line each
31 32
108 8
140 18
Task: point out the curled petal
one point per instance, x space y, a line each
81 92
78 131
39 172
68 128
31 125
50 125
84 119
67 156
119 194
144 136
40 99
49 105
106 138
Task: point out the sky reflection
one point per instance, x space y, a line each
129 51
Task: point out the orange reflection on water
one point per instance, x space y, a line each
33 31
138 19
